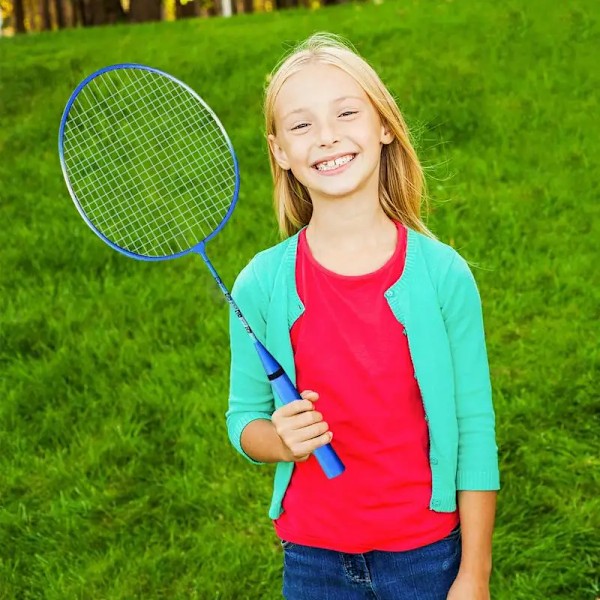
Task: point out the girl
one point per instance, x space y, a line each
380 325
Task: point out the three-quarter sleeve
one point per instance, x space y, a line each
463 316
250 393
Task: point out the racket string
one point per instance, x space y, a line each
134 194
189 164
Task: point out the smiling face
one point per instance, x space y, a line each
328 133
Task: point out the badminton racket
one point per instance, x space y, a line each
153 173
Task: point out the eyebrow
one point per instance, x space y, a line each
300 110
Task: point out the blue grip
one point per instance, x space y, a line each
330 462
327 458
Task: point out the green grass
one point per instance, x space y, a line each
118 481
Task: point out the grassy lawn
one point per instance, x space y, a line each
117 479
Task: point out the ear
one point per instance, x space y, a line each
387 137
278 153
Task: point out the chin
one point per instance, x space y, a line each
339 190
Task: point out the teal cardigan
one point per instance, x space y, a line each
437 301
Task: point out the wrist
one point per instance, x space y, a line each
283 452
480 571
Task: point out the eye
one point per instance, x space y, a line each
300 126
348 113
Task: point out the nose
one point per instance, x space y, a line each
327 135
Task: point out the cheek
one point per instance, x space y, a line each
301 169
299 159
298 149
300 173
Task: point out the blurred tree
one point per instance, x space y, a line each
7 12
114 11
210 8
248 6
19 12
285 3
184 10
145 10
33 20
59 11
103 12
95 12
46 18
78 13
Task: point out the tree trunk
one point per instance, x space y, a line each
73 13
95 13
114 11
46 19
207 8
19 16
145 10
80 13
60 13
248 6
184 11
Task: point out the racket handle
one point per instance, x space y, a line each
326 456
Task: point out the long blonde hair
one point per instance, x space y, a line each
402 188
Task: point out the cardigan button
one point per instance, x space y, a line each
389 294
434 460
435 503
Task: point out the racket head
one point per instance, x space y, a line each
82 204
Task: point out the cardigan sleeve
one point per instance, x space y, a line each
250 393
462 311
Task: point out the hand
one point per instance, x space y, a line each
301 428
469 587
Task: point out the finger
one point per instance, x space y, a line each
295 407
292 438
290 428
309 395
311 432
305 419
310 446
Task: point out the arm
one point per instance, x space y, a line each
261 442
251 401
258 431
477 512
477 467
477 477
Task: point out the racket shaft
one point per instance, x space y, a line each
326 456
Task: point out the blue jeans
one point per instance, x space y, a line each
425 573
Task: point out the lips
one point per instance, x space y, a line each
333 162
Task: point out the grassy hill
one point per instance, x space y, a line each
117 480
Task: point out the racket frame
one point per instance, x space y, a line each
61 132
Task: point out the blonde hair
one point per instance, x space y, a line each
402 187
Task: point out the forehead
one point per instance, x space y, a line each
316 84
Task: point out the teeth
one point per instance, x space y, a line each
332 164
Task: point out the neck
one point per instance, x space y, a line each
345 223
